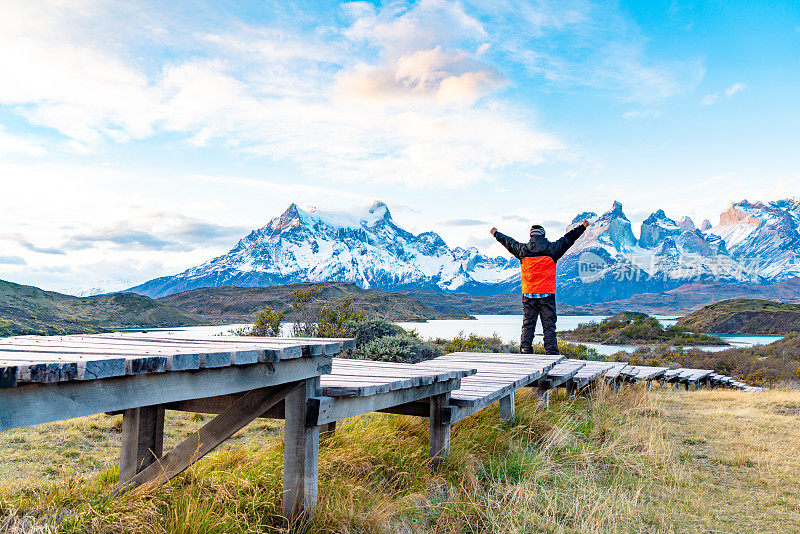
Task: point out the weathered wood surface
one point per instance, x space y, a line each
30 404
637 373
50 359
560 374
324 409
208 437
363 378
142 440
498 375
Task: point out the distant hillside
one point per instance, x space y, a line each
630 328
690 297
240 304
30 310
745 316
506 304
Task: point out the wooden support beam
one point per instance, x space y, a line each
300 455
439 447
31 404
544 397
233 419
142 440
507 408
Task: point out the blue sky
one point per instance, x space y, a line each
137 140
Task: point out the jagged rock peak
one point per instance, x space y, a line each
705 225
734 215
588 215
687 224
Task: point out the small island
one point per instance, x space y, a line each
633 328
745 316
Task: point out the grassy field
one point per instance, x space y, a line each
637 460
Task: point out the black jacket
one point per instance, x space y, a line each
539 244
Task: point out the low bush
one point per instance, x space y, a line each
401 348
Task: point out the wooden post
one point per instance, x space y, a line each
544 398
507 408
439 446
300 455
142 440
570 387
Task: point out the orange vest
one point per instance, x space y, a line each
538 275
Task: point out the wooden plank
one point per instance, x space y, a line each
273 349
300 455
142 440
179 356
38 371
31 404
85 368
206 439
309 347
325 409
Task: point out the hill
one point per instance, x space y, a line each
30 310
630 328
240 304
687 298
745 316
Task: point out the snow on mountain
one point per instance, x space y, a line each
366 248
763 238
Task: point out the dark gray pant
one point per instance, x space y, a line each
545 308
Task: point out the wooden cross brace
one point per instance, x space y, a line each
141 461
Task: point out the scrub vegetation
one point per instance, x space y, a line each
634 460
631 328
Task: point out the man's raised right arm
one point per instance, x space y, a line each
512 245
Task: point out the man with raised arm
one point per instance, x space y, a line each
538 258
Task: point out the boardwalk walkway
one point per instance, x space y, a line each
141 375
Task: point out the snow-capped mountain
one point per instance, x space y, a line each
764 238
366 248
753 243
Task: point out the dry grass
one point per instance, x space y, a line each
641 461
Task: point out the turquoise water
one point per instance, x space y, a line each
507 327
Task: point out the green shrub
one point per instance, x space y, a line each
372 329
401 348
268 323
336 321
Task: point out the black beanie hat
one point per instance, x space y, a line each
537 230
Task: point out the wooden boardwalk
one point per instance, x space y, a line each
141 375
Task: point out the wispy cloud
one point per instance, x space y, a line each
642 114
709 99
20 240
12 260
463 222
158 231
286 93
578 43
735 88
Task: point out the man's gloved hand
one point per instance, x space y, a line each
586 223
493 230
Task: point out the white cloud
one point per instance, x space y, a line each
709 99
577 43
735 88
642 114
19 144
286 94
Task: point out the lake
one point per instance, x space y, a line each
507 328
